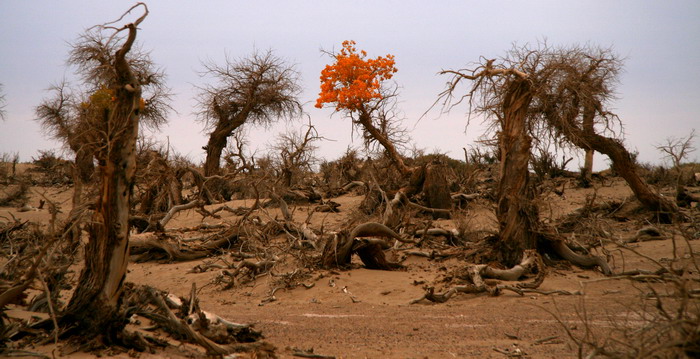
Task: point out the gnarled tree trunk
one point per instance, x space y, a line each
83 169
94 307
215 146
219 137
515 211
622 163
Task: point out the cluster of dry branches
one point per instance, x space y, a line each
662 321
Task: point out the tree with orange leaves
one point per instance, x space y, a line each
356 85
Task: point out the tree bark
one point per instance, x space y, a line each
625 166
83 168
94 308
366 122
515 212
215 146
587 171
219 137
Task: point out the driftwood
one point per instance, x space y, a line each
644 234
460 199
352 185
308 236
439 212
327 206
437 232
157 222
175 209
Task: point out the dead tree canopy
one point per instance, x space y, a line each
75 115
531 93
575 88
294 154
571 89
257 90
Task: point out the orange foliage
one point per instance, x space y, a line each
352 80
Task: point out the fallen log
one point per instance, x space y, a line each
150 245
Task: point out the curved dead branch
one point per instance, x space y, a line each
374 229
175 209
565 252
531 260
339 250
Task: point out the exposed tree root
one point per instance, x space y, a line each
339 250
532 262
565 252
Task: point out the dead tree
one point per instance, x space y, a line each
516 214
575 85
295 153
63 118
589 126
677 150
507 95
94 307
257 90
75 117
512 93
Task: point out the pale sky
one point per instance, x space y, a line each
659 91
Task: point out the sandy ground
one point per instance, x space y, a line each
364 313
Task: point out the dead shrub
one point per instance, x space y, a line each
346 169
54 170
545 165
15 194
8 167
663 322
